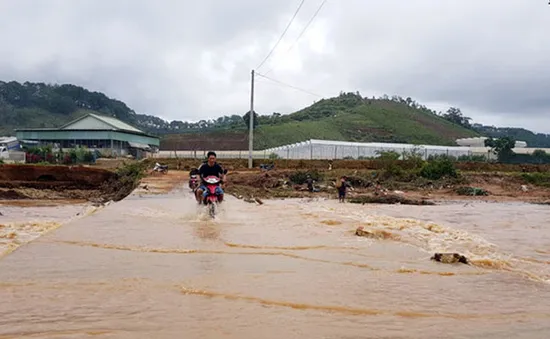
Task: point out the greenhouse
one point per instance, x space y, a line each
329 149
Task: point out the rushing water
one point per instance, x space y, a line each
19 225
157 267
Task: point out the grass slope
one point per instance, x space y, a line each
347 117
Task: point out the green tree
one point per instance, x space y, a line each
540 156
502 147
454 115
246 119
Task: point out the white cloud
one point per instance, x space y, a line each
190 60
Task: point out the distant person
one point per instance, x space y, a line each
309 182
342 185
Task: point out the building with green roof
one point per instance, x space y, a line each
108 135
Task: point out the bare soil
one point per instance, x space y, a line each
20 184
74 186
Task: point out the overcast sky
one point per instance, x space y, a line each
190 60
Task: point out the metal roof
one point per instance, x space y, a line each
7 139
115 123
378 145
139 145
375 145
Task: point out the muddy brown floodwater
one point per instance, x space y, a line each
156 267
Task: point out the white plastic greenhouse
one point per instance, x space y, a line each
330 149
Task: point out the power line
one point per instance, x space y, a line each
303 30
287 85
282 35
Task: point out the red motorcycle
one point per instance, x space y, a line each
211 199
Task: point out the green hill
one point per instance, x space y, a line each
350 117
346 117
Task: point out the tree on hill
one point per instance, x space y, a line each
454 115
246 119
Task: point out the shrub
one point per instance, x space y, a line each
67 160
131 171
439 168
299 177
472 158
466 190
389 161
414 158
388 155
88 157
127 178
537 179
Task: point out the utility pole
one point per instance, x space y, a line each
251 122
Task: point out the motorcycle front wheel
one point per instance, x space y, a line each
212 210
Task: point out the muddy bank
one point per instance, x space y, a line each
389 199
417 180
64 183
50 177
37 182
377 187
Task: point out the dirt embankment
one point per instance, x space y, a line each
79 183
61 183
478 181
50 177
369 187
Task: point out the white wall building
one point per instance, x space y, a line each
330 149
480 142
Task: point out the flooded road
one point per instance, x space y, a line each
157 267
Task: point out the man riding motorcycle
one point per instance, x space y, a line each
210 168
